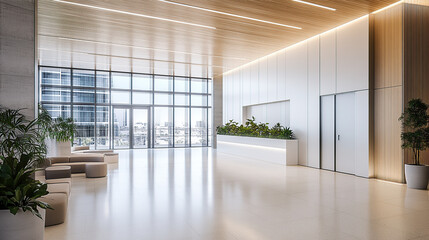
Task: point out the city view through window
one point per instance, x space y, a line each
114 110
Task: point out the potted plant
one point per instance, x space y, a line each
415 136
22 149
59 133
253 129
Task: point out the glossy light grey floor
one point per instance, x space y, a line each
200 194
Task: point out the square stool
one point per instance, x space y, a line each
58 172
96 170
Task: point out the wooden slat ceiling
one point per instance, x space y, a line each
90 38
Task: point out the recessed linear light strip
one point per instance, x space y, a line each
284 49
133 14
230 14
315 5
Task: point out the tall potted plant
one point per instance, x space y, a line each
22 149
415 136
59 133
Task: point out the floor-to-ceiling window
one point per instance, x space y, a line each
129 110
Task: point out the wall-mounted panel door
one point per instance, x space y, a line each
327 132
345 133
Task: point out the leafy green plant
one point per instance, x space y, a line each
19 136
282 132
22 149
60 129
415 129
253 129
18 190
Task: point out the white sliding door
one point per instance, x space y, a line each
345 133
327 132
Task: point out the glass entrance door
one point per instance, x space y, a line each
121 128
141 128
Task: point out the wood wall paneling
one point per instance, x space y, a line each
388 152
387 76
362 162
416 59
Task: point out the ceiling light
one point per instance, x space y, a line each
133 14
315 5
229 14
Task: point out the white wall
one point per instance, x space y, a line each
271 113
330 63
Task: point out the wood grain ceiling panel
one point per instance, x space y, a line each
65 28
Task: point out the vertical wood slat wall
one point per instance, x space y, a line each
387 82
416 59
400 45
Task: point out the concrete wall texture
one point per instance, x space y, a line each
17 54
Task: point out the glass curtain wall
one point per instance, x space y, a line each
105 107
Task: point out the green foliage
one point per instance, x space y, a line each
22 149
60 129
415 129
19 136
253 129
282 132
18 190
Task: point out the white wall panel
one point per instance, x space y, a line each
313 134
271 113
288 79
345 129
278 113
353 56
296 60
362 133
336 61
246 83
254 86
225 98
231 98
281 76
327 132
263 80
328 63
237 96
272 79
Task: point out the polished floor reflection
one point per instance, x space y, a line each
201 194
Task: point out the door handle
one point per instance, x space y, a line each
338 137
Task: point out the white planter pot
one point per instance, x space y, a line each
417 176
56 148
23 225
